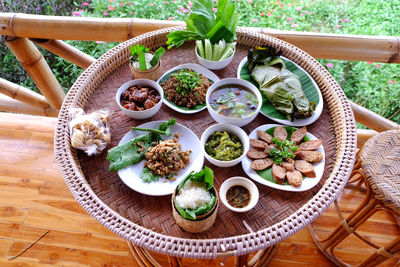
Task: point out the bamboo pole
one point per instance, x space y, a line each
66 51
363 136
34 63
10 105
23 94
319 45
371 119
74 28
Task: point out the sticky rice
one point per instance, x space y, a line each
193 195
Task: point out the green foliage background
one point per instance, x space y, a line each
373 85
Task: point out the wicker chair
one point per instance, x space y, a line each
378 169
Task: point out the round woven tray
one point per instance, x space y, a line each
147 221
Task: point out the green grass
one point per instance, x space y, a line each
373 85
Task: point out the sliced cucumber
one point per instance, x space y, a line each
217 52
207 49
222 43
200 48
227 53
231 45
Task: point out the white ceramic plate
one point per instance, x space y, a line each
131 174
307 183
197 68
296 122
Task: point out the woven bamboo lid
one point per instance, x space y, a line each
380 160
148 221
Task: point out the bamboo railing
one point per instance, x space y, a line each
21 31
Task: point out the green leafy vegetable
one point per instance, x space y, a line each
133 151
203 24
157 56
128 154
148 176
142 61
138 53
137 50
281 87
204 178
164 128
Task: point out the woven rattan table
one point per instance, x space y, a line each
147 221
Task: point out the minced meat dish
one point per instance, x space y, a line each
166 157
186 88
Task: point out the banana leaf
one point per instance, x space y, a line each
281 87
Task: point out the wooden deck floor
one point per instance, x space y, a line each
34 199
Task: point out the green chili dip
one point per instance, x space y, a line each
224 146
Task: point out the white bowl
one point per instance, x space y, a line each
254 195
235 121
140 115
235 130
214 65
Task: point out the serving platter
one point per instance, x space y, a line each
195 67
307 183
189 141
310 89
278 213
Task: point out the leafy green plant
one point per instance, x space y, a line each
202 24
138 54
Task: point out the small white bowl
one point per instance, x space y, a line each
140 115
235 121
254 195
214 65
235 130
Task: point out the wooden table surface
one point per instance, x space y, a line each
34 199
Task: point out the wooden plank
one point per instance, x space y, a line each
12 214
55 189
28 123
300 252
57 220
107 244
22 263
5 245
63 207
36 173
292 263
20 185
43 253
27 160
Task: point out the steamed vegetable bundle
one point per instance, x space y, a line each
281 87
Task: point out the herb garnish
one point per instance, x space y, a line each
187 80
284 151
